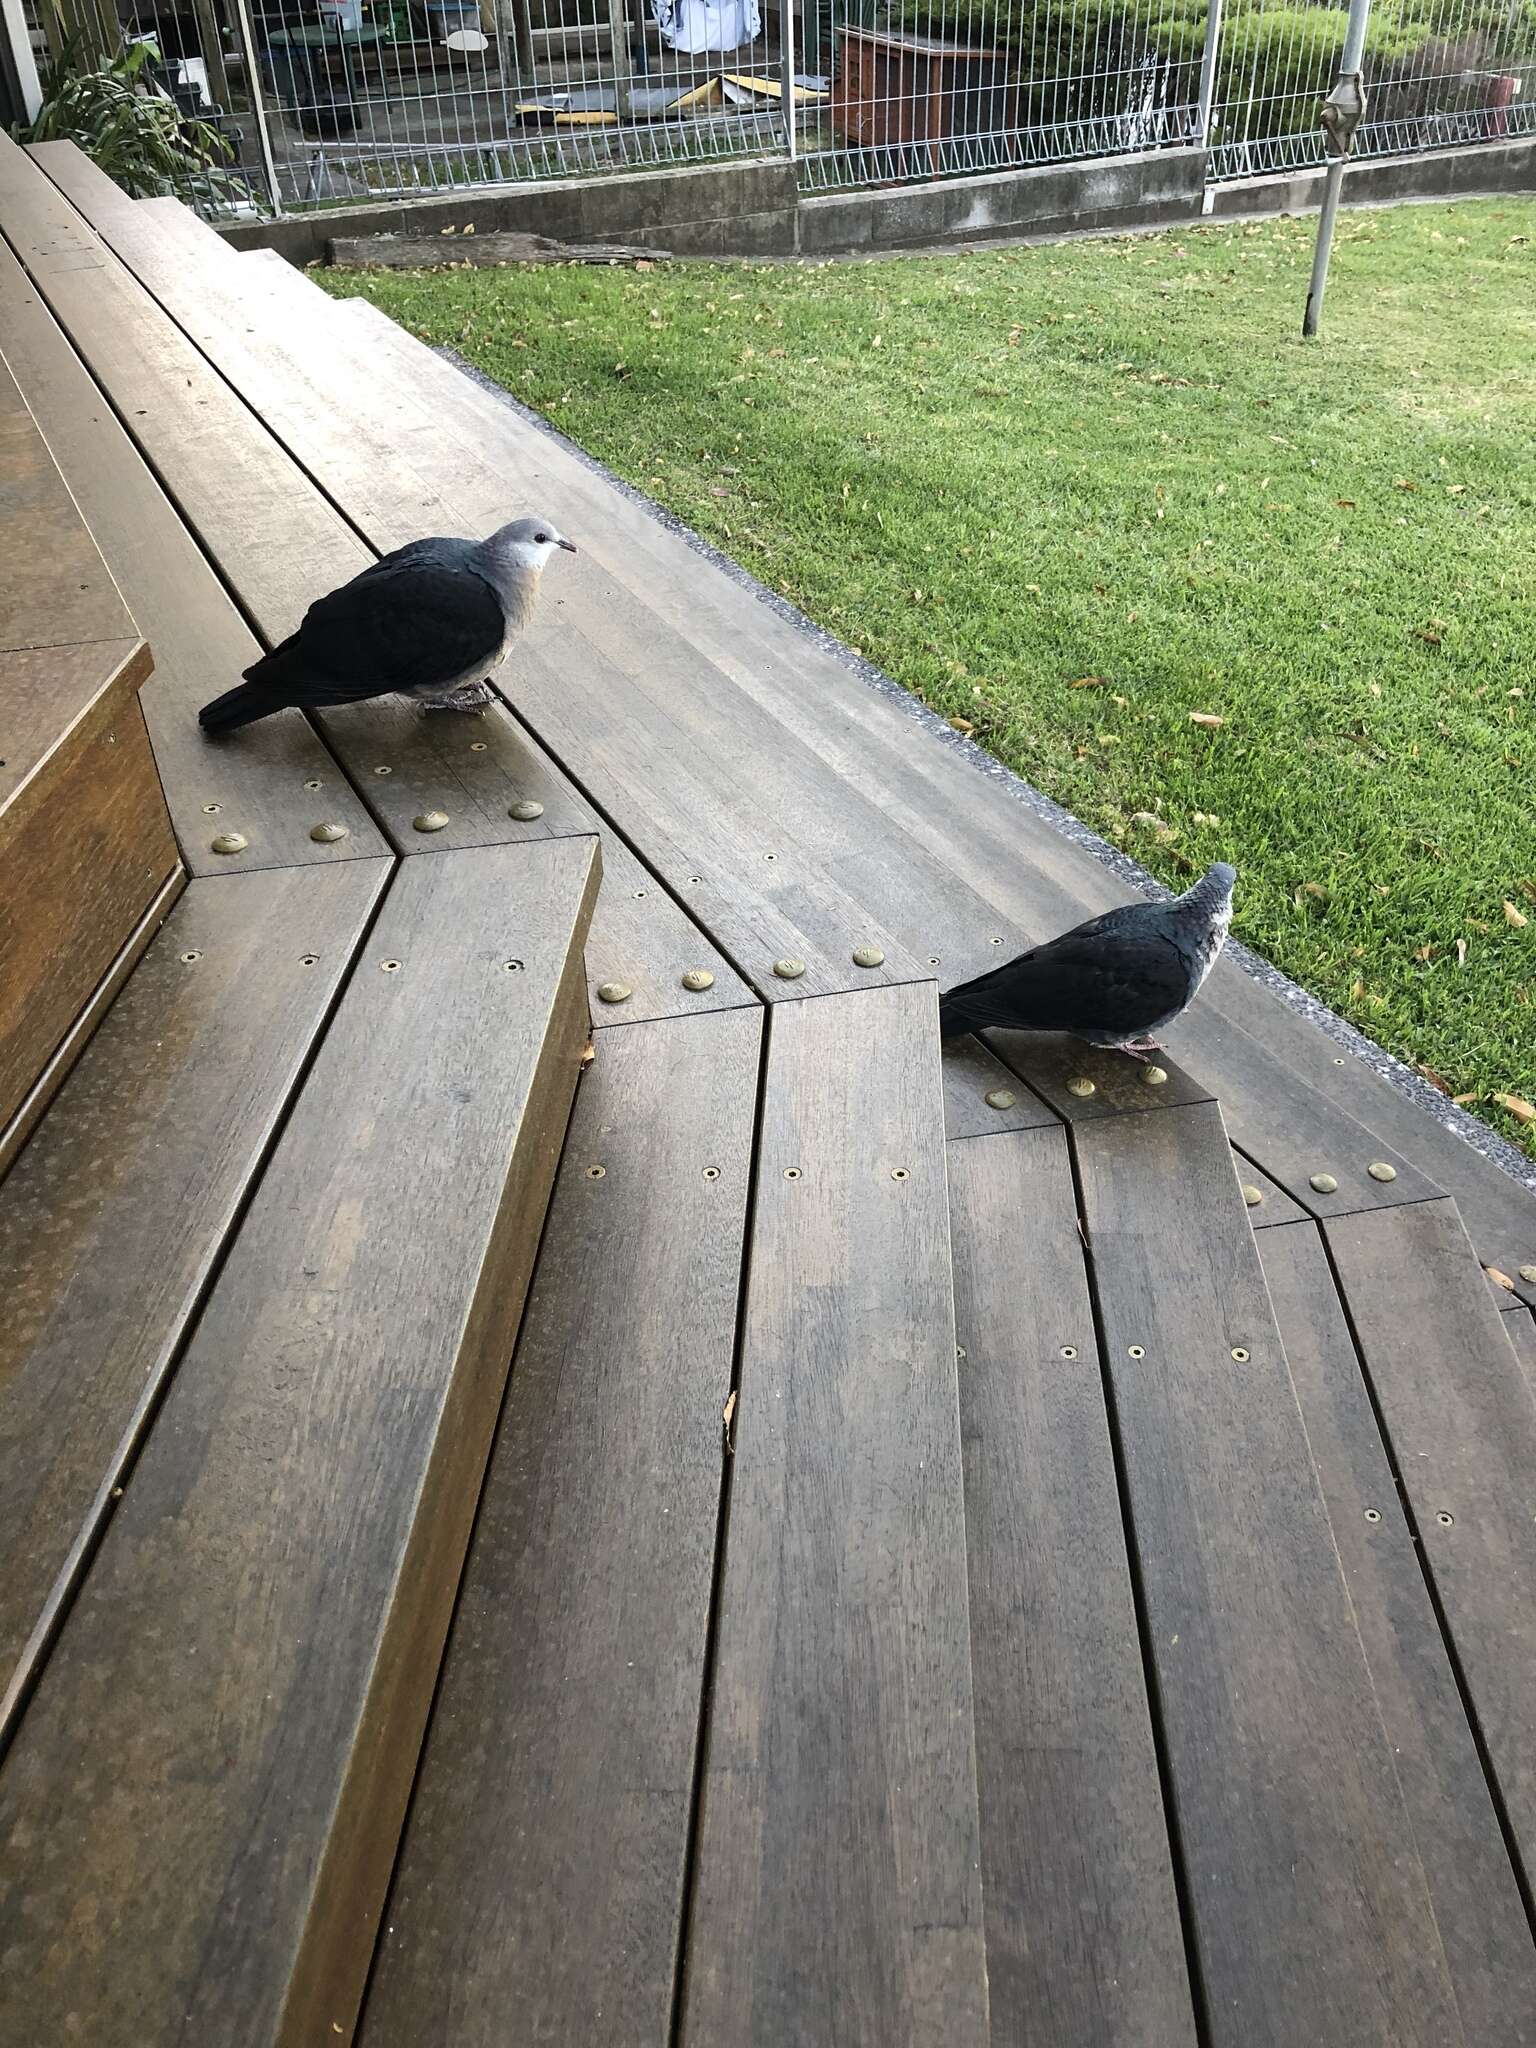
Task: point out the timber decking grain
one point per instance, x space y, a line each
1476 1899
114 1219
542 1871
1308 1908
1084 1942
260 788
225 1733
1461 1426
1520 1328
836 1891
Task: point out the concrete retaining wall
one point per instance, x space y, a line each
756 209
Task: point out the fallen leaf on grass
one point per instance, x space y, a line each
1522 1111
1515 917
1425 953
1088 683
1528 889
1345 504
1206 718
1436 1080
1461 952
1404 483
961 725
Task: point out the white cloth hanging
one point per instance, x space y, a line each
695 25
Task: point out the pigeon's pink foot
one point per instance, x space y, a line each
1141 1048
472 697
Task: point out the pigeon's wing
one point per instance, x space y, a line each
1093 983
408 624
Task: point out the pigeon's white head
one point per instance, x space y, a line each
527 544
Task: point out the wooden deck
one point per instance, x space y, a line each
945 1566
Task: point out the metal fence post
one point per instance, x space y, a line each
258 106
1342 113
1208 64
787 60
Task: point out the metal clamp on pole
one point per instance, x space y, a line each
1340 114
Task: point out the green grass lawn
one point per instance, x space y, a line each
1217 591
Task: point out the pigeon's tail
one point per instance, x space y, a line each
958 1014
268 687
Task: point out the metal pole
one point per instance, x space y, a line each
1342 113
1208 74
21 63
787 59
259 108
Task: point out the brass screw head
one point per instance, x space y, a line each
789 970
1527 1273
525 811
614 992
1252 1195
1381 1170
1324 1183
229 842
1153 1077
868 956
698 978
1001 1098
1081 1085
383 771
430 821
328 834
1239 1354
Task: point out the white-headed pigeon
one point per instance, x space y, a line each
1117 980
429 621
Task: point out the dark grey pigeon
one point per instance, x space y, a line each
430 621
1117 980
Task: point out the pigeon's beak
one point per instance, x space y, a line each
569 546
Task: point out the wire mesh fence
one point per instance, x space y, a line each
338 102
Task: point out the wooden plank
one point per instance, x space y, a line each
1307 1904
1461 1426
1472 1886
981 1095
1274 1204
279 544
595 674
85 847
568 1710
267 789
29 1112
994 852
1520 1328
836 1892
57 591
46 695
1084 1941
115 1216
266 1613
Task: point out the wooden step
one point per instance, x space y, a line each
836 1893
224 1737
1472 1885
543 1869
114 1219
280 780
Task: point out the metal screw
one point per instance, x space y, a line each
327 834
791 1173
1069 1351
1324 1183
900 1173
1444 1519
525 810
698 978
1380 1170
997 942
511 966
1373 1514
1252 1195
1339 1063
477 746
1135 1351
211 810
614 992
711 1173
789 970
638 894
229 842
770 856
933 960
314 783
695 878
1081 1085
596 1172
188 958
1239 1354
1000 1098
868 956
1153 1077
390 966
430 821
309 959
383 771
